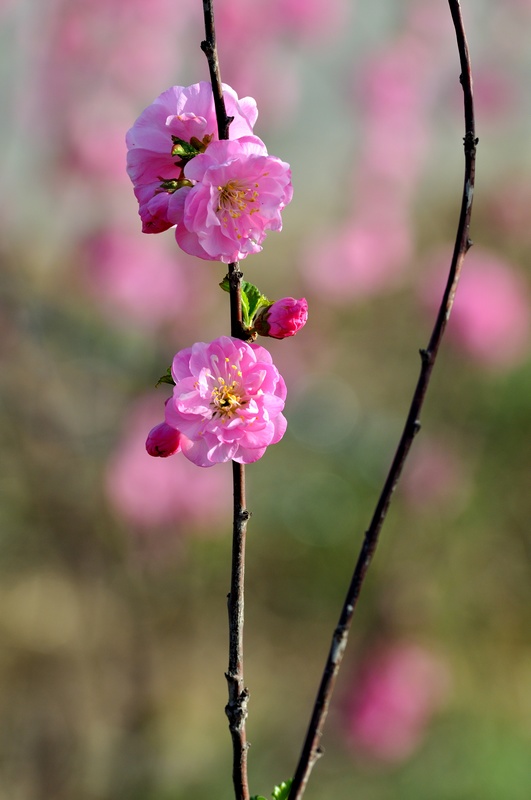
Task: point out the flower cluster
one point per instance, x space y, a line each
227 404
222 196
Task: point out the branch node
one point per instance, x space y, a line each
236 708
468 244
470 141
416 427
425 356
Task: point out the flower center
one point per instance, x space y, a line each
235 197
226 398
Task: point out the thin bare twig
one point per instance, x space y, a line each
311 749
236 708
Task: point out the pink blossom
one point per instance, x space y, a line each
491 315
163 441
227 401
318 19
155 157
392 701
283 318
435 477
238 194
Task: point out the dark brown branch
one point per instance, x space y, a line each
311 748
236 708
209 48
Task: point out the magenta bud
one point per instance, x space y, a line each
283 318
163 441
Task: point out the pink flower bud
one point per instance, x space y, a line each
163 441
283 318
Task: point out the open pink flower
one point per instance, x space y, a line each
156 157
282 318
227 402
238 194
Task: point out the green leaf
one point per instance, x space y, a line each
255 299
282 792
166 378
252 301
258 797
245 307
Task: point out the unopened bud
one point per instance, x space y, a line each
163 441
283 318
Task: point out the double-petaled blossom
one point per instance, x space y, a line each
227 401
178 124
282 318
237 195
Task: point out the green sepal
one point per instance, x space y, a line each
166 378
183 149
282 792
252 301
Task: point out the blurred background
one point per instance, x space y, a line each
114 567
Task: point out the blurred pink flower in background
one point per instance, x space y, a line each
495 93
152 492
95 133
319 20
271 74
392 701
434 476
315 19
508 207
366 256
265 63
136 278
393 98
491 315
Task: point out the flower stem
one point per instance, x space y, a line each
311 749
236 708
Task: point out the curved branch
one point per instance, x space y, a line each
311 748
